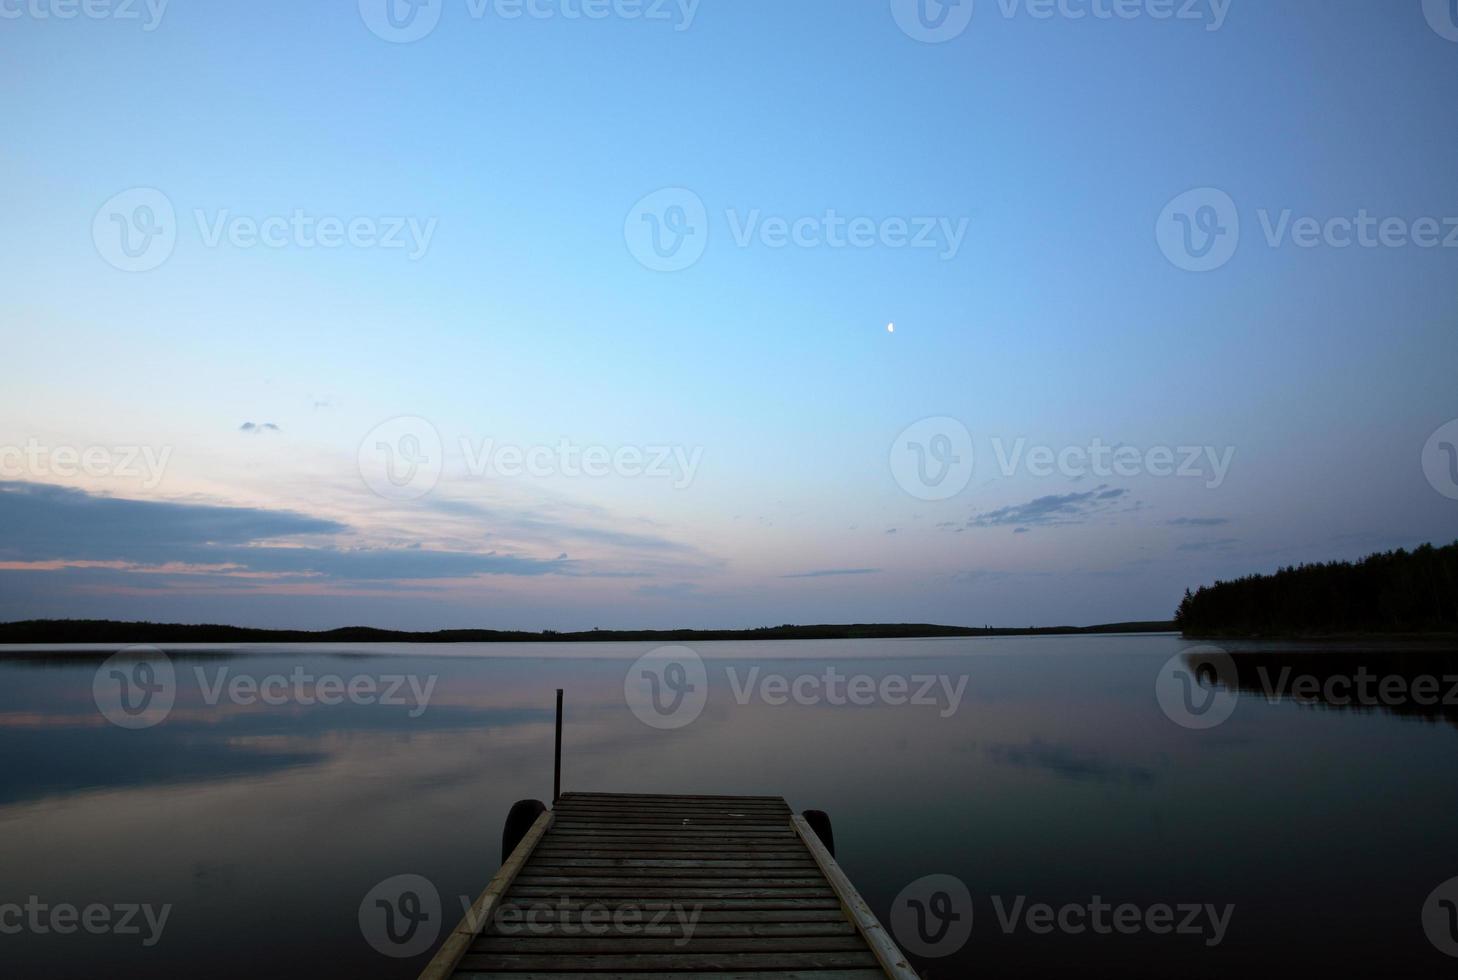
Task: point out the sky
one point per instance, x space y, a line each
627 313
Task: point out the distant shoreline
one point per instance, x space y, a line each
111 632
1435 636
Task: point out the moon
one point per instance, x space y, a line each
891 328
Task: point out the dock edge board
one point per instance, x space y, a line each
892 960
480 913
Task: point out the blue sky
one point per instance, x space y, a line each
508 158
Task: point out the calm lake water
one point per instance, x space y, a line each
1034 771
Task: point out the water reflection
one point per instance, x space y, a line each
1417 683
1057 778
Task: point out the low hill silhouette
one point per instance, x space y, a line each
111 632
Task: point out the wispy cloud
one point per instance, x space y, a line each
1069 762
536 526
670 590
1198 522
833 572
254 428
1219 544
56 526
1065 508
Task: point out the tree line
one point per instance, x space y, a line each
1391 592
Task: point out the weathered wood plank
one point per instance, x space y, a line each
875 974
671 812
583 861
668 961
757 974
673 835
570 882
736 905
664 891
674 826
573 912
670 851
646 945
643 801
630 797
672 927
666 869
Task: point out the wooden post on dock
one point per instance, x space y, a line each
557 762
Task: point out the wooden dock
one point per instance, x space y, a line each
614 887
